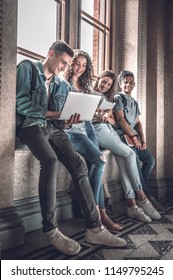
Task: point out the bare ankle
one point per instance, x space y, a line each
131 202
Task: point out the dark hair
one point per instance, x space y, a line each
85 80
107 73
123 74
60 47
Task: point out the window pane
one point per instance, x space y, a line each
88 6
87 41
36 25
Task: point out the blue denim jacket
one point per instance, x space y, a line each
34 105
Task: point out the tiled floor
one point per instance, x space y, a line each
144 241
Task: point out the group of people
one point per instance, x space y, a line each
52 140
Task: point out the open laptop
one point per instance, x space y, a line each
80 103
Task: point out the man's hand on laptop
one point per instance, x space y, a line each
73 119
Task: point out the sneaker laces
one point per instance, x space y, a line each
139 209
65 241
105 230
149 204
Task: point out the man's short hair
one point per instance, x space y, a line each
60 47
123 74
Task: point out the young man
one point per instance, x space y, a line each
43 134
128 122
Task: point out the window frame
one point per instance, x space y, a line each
103 44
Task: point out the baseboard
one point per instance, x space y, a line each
11 229
169 185
116 190
158 188
29 209
25 216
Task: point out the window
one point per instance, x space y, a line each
42 22
95 22
36 28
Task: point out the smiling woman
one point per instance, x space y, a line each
36 40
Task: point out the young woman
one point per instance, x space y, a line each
79 75
124 155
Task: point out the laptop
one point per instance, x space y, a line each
106 105
80 103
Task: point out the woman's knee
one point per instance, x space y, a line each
130 154
100 161
103 158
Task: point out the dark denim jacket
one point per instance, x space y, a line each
34 105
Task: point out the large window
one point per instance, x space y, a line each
36 28
95 32
41 22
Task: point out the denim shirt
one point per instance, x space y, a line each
34 105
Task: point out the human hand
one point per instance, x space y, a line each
136 142
73 119
143 145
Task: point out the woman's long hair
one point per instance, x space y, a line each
111 92
85 80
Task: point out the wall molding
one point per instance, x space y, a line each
11 228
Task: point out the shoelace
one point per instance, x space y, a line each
106 231
139 209
150 206
58 236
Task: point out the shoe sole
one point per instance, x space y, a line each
154 218
108 246
68 253
137 220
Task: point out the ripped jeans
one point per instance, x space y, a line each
95 162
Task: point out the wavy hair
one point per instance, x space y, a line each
111 92
85 80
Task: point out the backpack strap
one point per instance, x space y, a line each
34 73
123 99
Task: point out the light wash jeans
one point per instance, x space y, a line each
86 144
124 156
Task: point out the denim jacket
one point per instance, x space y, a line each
34 105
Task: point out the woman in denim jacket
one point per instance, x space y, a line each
79 75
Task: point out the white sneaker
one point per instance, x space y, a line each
102 236
137 213
149 209
62 243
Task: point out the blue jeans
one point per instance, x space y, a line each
92 155
125 158
50 145
148 163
